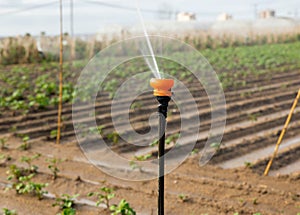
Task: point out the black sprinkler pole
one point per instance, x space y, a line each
162 111
162 91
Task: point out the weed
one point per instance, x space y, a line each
66 204
104 196
123 208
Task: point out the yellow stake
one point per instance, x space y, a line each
60 77
288 120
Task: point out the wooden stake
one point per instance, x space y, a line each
288 120
60 75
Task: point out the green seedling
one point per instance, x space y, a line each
172 139
28 160
255 201
14 172
97 130
53 166
53 134
4 159
8 212
3 143
195 151
25 145
135 166
248 164
216 146
123 208
253 117
114 137
26 186
104 196
183 197
66 204
143 157
136 105
257 214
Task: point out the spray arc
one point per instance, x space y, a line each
162 91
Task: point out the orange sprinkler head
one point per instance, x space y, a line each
162 87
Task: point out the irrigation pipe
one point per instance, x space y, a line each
283 131
60 75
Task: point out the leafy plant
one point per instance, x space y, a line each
66 204
134 166
26 186
8 212
104 196
183 197
123 208
3 143
4 159
28 160
53 134
53 166
114 137
143 157
248 164
25 145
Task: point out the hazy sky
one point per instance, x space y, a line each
16 17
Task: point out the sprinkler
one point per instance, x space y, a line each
162 91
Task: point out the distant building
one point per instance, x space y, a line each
224 17
186 16
265 14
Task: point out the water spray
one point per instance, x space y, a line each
162 91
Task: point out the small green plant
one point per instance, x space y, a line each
8 212
154 143
25 145
14 172
26 186
4 159
66 204
53 166
253 117
183 197
123 208
143 157
53 134
172 139
216 146
28 160
257 214
135 166
136 105
3 143
114 137
255 201
195 151
104 196
248 164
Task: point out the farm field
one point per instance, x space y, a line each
259 82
